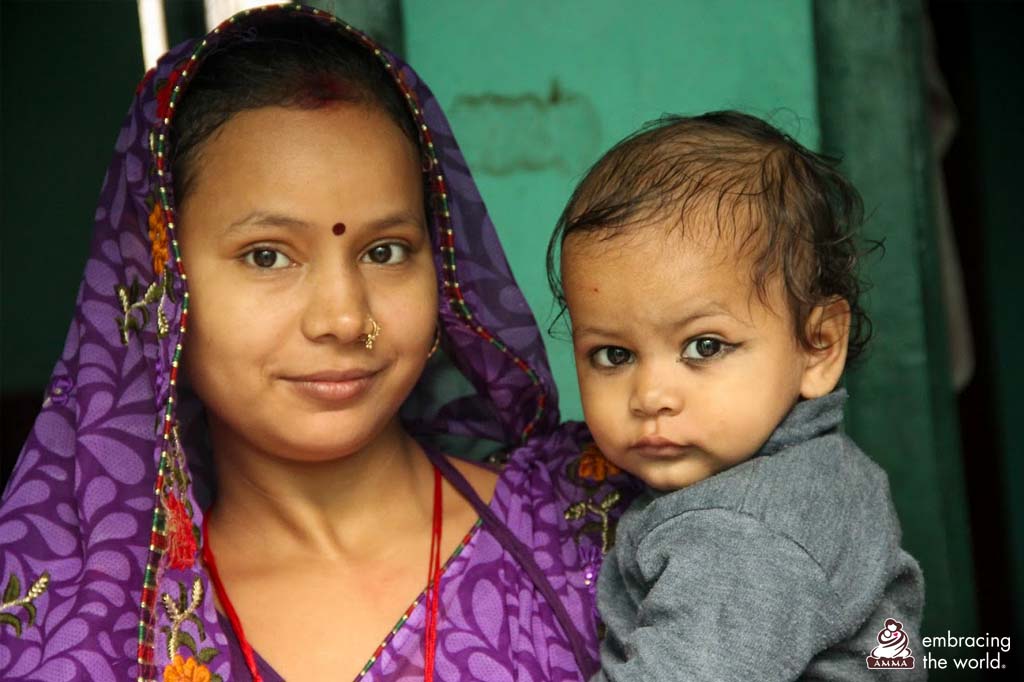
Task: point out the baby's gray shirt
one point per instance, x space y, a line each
785 566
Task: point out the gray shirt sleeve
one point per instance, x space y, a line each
713 594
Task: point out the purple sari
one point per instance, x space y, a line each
99 545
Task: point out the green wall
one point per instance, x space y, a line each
535 91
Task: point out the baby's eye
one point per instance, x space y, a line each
611 356
267 259
388 253
705 348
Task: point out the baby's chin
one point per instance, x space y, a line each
667 478
668 484
681 474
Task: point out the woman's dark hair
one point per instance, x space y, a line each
789 208
290 62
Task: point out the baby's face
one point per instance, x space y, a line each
683 370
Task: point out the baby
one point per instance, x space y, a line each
709 270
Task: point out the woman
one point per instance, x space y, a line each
297 492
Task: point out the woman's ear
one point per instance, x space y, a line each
828 330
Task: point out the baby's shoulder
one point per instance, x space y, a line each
827 475
828 496
814 475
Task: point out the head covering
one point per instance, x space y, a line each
99 522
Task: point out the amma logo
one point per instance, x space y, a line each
893 650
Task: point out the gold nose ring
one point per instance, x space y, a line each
375 330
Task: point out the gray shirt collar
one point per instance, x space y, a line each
807 419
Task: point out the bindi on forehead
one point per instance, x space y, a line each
338 229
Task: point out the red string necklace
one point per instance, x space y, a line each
432 593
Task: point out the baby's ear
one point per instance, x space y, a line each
828 331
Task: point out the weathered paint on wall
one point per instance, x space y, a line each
536 91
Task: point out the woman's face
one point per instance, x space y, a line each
300 226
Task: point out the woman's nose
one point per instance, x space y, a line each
656 393
336 306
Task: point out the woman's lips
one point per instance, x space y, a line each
334 386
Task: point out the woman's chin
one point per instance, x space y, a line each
298 437
328 445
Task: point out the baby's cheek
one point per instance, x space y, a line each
736 440
614 453
598 413
610 441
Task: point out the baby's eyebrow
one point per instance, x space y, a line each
709 309
596 331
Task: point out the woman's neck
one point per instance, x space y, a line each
346 506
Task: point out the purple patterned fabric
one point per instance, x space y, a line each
103 504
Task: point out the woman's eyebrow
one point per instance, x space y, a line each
267 219
395 220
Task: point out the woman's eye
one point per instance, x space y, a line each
389 253
704 348
267 259
611 356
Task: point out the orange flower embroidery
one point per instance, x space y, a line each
158 238
594 466
181 670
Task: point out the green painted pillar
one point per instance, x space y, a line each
902 408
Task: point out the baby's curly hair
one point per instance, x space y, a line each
794 214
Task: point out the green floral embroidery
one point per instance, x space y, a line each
590 471
602 510
14 599
182 610
135 305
